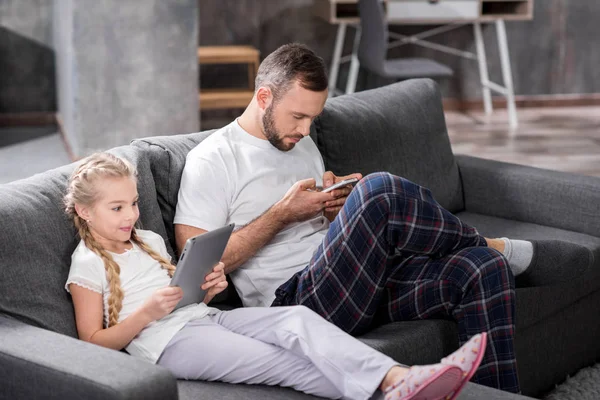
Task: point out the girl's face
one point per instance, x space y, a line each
114 214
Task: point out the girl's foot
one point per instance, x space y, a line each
467 358
432 382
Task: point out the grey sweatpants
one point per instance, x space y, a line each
285 346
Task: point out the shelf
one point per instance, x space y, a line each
346 10
211 99
507 9
227 55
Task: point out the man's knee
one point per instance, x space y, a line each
483 267
384 182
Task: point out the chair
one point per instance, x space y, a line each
372 51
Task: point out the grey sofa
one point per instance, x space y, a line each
399 128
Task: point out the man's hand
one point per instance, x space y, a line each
338 196
215 282
302 202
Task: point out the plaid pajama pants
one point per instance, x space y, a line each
394 254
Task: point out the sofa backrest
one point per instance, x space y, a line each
37 240
398 128
167 156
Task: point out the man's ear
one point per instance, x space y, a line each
83 212
264 97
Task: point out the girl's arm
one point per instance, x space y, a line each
89 316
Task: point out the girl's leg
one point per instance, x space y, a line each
204 350
354 368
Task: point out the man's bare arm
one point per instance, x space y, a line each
243 243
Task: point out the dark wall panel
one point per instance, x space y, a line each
27 81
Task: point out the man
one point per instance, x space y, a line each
390 253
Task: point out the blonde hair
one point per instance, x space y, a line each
81 191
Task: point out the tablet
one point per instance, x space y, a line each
199 256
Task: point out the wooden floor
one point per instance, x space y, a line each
565 139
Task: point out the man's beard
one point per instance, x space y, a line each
271 132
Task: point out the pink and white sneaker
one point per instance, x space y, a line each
431 382
467 358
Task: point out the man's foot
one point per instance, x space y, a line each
467 358
555 261
434 382
518 253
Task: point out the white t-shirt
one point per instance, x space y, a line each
234 177
141 276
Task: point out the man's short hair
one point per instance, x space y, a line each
289 63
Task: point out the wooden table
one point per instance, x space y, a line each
450 14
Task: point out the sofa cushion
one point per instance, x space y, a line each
196 390
399 128
409 343
537 303
414 342
167 156
37 240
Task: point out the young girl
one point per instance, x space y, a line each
119 281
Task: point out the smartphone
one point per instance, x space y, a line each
351 181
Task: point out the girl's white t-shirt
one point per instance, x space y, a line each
141 276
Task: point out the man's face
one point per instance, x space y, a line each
288 120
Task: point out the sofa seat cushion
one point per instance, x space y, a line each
194 390
414 342
37 240
535 304
398 128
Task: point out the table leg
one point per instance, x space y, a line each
507 75
483 69
335 61
354 63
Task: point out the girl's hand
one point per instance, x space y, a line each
162 302
215 282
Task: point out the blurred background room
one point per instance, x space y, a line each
519 78
78 76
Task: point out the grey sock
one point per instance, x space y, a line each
519 254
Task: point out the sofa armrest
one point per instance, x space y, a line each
36 363
551 198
